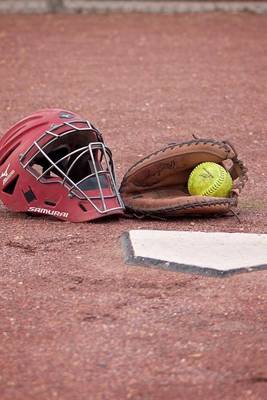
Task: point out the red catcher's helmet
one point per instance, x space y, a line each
56 163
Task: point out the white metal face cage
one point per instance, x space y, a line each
74 155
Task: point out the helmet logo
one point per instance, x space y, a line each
5 175
48 212
65 115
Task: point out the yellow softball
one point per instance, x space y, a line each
210 179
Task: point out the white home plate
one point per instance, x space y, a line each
215 253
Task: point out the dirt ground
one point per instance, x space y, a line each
75 321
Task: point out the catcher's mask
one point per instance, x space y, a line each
56 163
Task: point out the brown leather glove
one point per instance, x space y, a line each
156 185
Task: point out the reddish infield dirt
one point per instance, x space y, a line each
76 322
